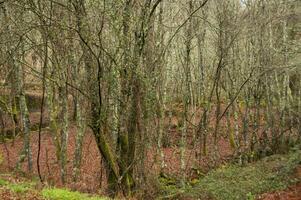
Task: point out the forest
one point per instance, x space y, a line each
150 99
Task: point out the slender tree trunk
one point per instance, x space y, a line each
26 152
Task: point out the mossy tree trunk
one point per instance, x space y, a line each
26 152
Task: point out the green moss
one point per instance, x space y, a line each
232 140
1 158
64 194
233 182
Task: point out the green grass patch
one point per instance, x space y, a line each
65 194
46 193
3 182
21 187
17 187
233 182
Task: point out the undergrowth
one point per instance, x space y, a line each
17 187
46 193
234 182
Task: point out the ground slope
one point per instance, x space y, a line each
233 182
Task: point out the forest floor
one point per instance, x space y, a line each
280 174
276 177
293 192
92 173
16 188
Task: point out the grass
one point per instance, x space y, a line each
65 194
46 193
3 182
21 187
17 187
233 182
